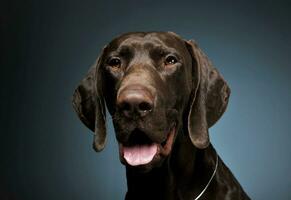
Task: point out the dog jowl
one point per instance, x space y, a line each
163 95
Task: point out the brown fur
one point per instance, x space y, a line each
190 94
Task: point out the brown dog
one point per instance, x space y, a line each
163 95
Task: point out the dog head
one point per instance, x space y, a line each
154 85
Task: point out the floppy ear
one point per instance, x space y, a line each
89 104
210 94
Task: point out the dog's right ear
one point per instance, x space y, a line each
88 103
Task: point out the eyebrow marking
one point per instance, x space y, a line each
125 50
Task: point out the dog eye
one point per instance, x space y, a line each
171 60
114 62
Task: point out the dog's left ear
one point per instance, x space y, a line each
88 103
209 96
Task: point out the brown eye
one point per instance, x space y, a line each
114 62
171 60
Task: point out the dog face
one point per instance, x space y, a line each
154 84
142 74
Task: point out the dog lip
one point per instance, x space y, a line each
166 146
168 135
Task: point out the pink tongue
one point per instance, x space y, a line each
139 154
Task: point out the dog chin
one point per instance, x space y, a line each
144 157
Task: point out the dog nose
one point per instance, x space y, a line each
135 101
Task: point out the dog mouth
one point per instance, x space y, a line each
141 150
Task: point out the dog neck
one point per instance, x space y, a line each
182 175
156 184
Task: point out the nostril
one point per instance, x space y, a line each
145 107
125 106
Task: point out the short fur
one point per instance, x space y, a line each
191 94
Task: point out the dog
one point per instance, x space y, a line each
163 94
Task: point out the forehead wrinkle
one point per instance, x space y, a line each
150 46
158 38
139 42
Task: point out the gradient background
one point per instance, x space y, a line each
48 46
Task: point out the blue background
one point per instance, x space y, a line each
47 47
